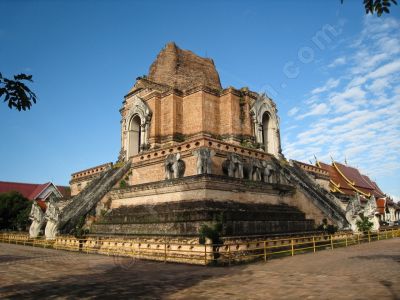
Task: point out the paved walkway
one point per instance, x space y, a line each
368 271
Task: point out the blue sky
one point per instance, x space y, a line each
337 96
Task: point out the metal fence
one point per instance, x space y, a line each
192 252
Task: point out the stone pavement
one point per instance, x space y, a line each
367 271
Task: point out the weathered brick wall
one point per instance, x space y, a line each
199 113
149 166
210 113
155 125
182 69
192 116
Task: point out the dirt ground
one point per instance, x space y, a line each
367 271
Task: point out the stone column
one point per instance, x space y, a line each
259 132
143 136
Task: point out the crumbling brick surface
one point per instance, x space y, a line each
182 69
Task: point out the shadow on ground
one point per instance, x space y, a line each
147 280
396 258
6 259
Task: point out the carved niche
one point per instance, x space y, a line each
269 137
138 108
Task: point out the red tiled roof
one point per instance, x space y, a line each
354 175
337 179
65 191
349 180
40 188
377 189
29 190
42 204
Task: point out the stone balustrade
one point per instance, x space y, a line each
91 171
198 143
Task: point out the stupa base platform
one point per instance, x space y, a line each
180 207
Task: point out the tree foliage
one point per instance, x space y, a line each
377 6
213 232
14 211
364 224
327 228
16 93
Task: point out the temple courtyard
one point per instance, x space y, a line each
366 271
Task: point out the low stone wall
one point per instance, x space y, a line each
190 251
24 239
168 250
69 243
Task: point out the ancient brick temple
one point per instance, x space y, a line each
193 152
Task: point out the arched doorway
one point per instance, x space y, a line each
134 136
265 125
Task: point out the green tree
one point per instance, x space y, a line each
377 6
14 211
327 228
16 93
364 225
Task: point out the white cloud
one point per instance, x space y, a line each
338 62
316 109
293 111
386 70
378 86
331 83
348 99
355 115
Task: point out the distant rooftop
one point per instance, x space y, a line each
348 180
31 191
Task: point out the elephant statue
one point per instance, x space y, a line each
174 166
233 166
248 169
252 169
257 170
204 163
268 172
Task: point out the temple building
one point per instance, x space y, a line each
345 182
36 192
194 153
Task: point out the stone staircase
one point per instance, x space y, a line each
321 198
86 200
